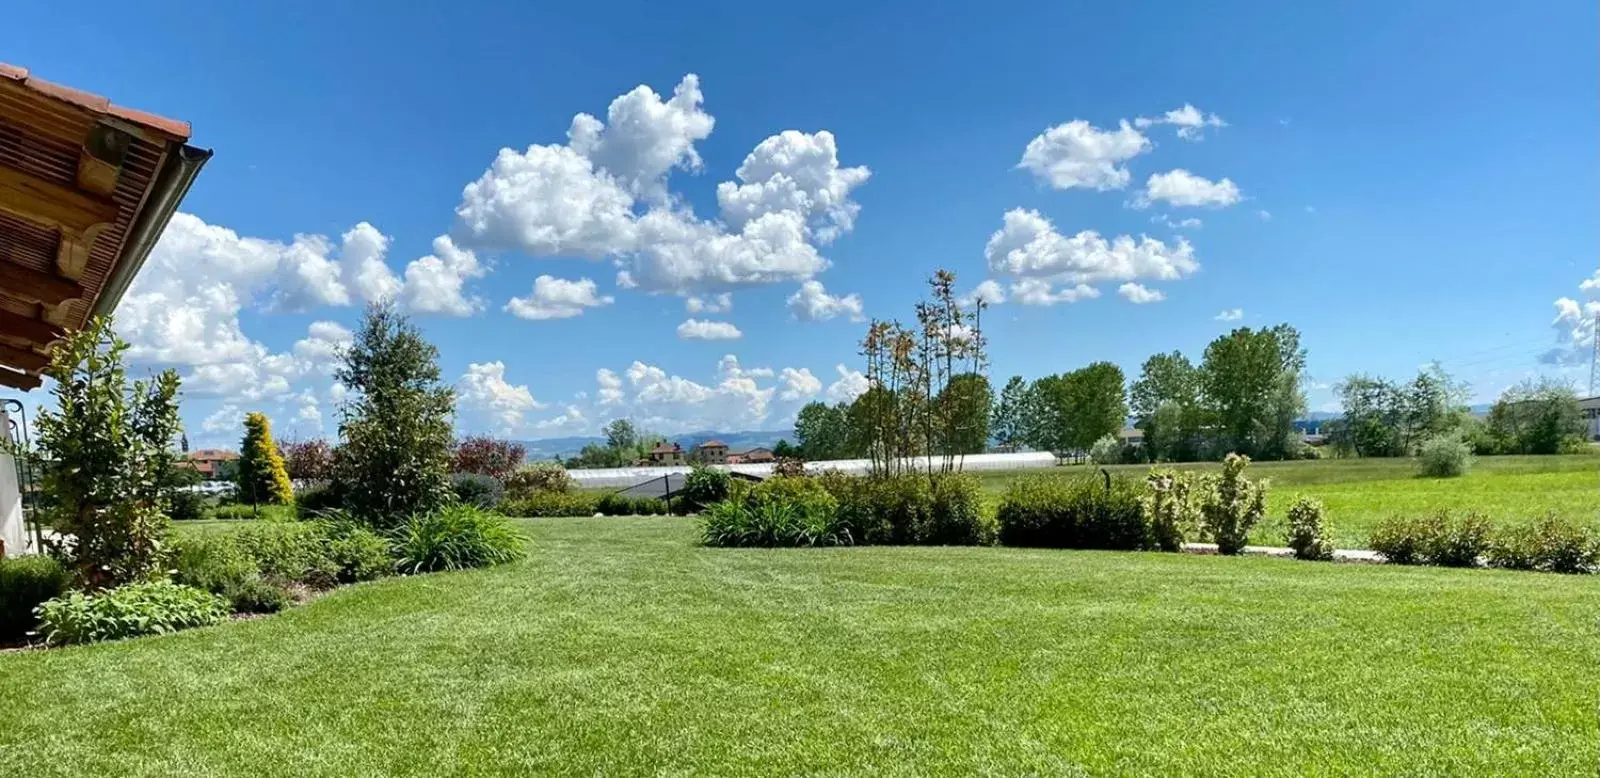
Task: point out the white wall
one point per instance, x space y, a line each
11 528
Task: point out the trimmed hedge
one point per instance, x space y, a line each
1049 511
25 582
909 509
557 504
1550 544
1442 538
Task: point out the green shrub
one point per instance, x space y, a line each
543 477
240 512
213 562
1551 544
770 524
957 517
1308 530
1171 505
457 537
1106 451
908 509
313 502
1401 540
479 491
1232 505
256 595
551 504
26 581
1048 511
1444 456
290 552
703 486
621 505
1457 540
149 608
357 552
185 505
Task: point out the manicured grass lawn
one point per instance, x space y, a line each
1361 492
620 648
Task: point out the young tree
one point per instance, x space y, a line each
1014 413
262 477
1536 417
1165 401
108 459
488 456
783 449
964 405
1250 381
621 435
396 428
308 460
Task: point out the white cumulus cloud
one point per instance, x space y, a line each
1190 121
797 384
850 385
1077 154
813 303
557 298
698 329
1139 294
1182 188
1029 249
484 395
1230 314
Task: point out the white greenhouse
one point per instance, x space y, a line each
624 477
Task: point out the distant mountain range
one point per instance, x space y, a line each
561 448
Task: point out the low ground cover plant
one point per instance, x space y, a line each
130 610
26 581
457 537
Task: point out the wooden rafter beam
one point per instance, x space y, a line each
25 327
15 380
78 216
22 358
48 288
101 160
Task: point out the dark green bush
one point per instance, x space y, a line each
909 509
26 581
479 491
312 502
186 506
213 562
359 553
151 608
290 552
1402 540
1551 544
1442 538
771 524
551 504
455 538
704 486
1457 540
256 595
620 505
1054 512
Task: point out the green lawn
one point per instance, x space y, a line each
1361 492
621 648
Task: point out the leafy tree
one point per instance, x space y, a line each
1080 407
1250 383
1166 403
395 460
1536 417
783 449
488 456
1014 413
621 435
964 405
262 477
308 460
822 431
1385 419
109 461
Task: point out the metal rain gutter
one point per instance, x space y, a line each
172 183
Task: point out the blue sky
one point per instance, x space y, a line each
1429 170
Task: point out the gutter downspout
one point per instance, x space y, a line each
172 183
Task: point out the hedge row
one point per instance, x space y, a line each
835 509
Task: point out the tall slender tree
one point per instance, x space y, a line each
263 480
396 429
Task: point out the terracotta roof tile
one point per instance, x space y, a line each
179 130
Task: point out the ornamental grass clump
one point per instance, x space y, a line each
457 537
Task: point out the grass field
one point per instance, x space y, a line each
621 648
1361 492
